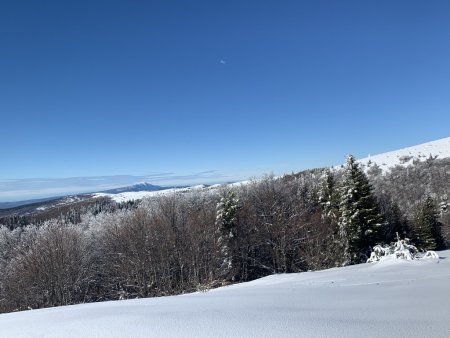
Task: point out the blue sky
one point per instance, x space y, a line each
237 88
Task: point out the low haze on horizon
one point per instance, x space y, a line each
209 92
12 190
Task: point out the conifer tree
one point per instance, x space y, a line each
227 227
360 224
397 223
329 196
427 226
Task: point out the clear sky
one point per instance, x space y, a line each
215 90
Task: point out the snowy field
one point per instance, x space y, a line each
403 157
393 298
138 195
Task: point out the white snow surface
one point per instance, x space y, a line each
138 195
393 298
437 149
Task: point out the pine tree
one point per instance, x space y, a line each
427 226
329 196
227 227
397 223
360 224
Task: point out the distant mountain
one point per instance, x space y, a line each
36 206
9 205
132 188
135 188
439 149
140 194
46 203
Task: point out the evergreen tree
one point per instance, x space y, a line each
329 196
396 222
360 224
427 226
226 223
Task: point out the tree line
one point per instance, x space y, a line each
194 241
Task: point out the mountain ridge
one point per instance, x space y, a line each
438 149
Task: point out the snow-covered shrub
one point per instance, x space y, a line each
404 250
431 254
401 249
378 252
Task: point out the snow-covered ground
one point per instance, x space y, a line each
138 195
438 149
65 201
392 298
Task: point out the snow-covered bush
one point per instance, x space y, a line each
378 252
401 249
431 254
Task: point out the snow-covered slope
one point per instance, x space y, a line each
395 298
437 149
137 195
144 186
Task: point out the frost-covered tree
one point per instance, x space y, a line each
227 227
51 267
329 202
329 196
401 249
427 227
361 226
444 205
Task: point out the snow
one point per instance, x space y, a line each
131 195
59 203
404 157
401 249
392 298
138 195
241 183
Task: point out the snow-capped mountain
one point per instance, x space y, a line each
126 196
438 149
144 186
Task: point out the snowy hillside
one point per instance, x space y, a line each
394 298
436 149
439 149
137 195
144 186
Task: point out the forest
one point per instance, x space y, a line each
185 242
